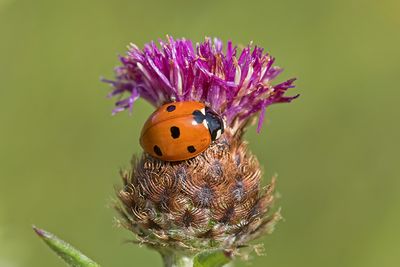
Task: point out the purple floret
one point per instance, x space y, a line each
237 87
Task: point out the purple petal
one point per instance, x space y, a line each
237 87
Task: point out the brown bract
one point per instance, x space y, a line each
214 200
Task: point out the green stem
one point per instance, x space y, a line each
208 258
175 260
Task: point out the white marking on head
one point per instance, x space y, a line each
205 123
203 110
218 134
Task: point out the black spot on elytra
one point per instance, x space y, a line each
171 108
191 149
175 132
198 116
157 150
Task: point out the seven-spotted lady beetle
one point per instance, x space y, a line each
180 130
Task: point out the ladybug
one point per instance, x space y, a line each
180 130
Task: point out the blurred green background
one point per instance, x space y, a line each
335 148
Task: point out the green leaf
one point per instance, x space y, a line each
212 258
69 254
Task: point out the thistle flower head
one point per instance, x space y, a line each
214 200
236 84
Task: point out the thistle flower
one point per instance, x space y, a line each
214 200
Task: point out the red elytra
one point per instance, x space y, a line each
180 130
